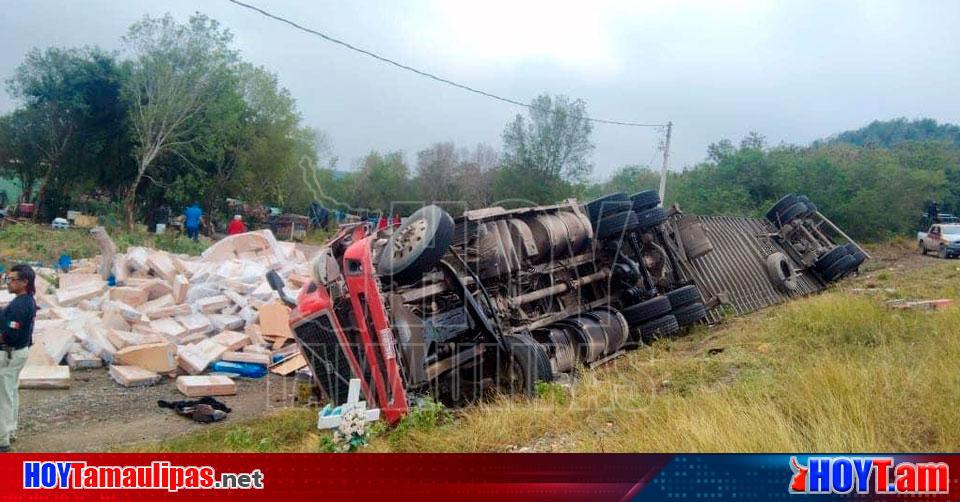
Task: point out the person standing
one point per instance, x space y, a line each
16 336
191 221
236 226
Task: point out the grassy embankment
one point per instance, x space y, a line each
837 371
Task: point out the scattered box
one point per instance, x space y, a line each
247 357
232 340
206 385
129 295
83 360
157 357
132 376
44 377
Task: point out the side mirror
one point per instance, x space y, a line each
276 284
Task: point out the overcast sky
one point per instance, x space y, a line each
794 71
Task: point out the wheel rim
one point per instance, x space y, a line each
409 238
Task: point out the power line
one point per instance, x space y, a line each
421 72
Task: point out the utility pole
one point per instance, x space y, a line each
666 157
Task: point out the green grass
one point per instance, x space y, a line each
29 242
838 371
289 430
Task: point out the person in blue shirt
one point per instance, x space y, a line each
191 220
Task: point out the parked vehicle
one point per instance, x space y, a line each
941 239
505 298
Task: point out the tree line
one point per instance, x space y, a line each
178 117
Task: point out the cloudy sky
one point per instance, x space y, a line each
793 70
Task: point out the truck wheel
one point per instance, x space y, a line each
778 207
683 296
793 212
829 258
616 225
780 273
416 246
845 264
811 207
942 252
528 363
595 206
690 314
644 311
609 209
651 217
922 249
647 199
658 328
856 253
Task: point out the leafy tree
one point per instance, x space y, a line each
178 72
552 146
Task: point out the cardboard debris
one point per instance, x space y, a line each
158 357
213 304
169 328
222 322
180 287
247 357
83 360
56 343
275 320
195 359
256 349
124 339
289 365
72 296
132 376
44 377
232 340
129 295
156 288
74 279
195 323
162 265
208 385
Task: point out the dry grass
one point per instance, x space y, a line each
834 372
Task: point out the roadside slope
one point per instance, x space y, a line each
834 372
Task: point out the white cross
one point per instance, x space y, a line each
353 402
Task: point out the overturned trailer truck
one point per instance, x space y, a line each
501 299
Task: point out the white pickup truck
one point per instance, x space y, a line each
942 238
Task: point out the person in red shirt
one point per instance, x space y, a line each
236 226
396 221
382 224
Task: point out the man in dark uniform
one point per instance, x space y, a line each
16 337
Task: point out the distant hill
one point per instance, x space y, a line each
888 133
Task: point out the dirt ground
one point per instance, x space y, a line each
96 414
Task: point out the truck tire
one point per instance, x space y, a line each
644 311
778 207
594 206
793 212
683 296
609 209
416 246
690 314
829 258
780 273
658 328
651 218
942 253
845 264
922 249
616 225
528 364
647 199
856 253
811 207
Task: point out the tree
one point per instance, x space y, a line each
178 71
51 84
436 177
554 142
